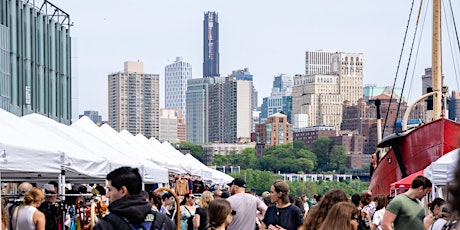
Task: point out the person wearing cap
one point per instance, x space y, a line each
245 205
282 214
50 209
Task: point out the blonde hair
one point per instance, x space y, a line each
33 196
206 198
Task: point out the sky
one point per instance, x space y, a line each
268 37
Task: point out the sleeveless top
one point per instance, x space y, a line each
25 217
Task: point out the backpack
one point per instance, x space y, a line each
361 223
153 221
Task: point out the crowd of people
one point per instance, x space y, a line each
234 208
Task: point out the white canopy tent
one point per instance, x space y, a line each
442 171
31 152
210 174
159 153
90 134
184 165
193 169
148 153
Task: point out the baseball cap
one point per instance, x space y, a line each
238 182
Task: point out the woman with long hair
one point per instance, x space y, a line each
381 204
220 214
342 216
187 211
434 208
168 204
156 201
282 214
27 216
5 216
200 220
318 213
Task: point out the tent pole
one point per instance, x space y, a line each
62 182
143 178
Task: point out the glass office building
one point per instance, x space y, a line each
35 63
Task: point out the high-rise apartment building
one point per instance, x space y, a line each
349 68
275 131
176 76
454 106
244 74
426 80
35 59
134 100
197 108
230 111
318 97
92 115
172 126
318 62
211 45
280 99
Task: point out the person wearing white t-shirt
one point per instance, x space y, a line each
245 205
381 202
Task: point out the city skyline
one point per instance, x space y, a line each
267 42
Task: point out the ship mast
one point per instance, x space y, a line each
436 60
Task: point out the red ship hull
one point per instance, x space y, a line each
418 149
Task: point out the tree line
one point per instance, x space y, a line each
262 180
290 158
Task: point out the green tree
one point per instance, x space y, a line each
220 159
338 159
299 188
246 159
308 155
267 162
322 147
196 150
260 180
299 145
350 187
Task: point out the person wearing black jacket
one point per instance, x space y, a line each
128 208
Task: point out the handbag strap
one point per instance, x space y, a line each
188 210
17 215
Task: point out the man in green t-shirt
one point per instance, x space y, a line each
405 211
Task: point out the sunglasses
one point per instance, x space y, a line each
233 212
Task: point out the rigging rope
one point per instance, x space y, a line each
399 63
405 75
418 49
458 43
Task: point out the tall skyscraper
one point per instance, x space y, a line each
134 100
176 76
211 45
35 60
